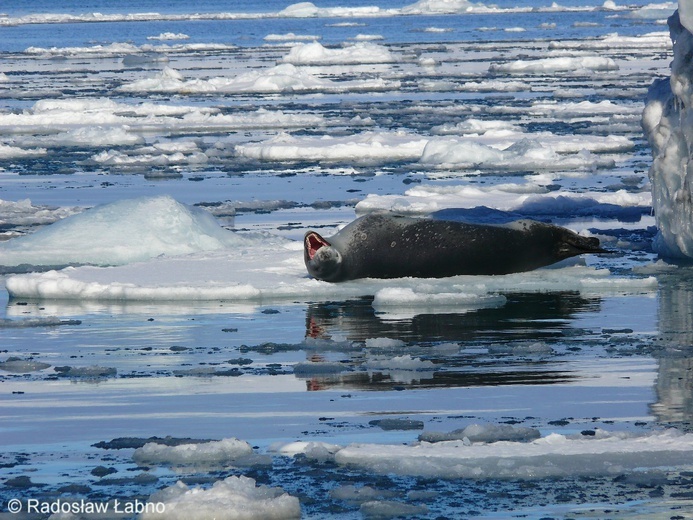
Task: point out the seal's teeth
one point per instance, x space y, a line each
313 243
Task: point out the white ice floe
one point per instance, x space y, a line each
234 498
99 122
127 50
404 362
315 54
655 11
652 40
310 10
522 155
505 149
291 37
121 232
25 213
444 7
285 77
554 455
367 147
15 152
181 253
169 36
224 451
557 64
528 198
668 124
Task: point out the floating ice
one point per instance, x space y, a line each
121 232
234 498
558 64
505 150
22 366
89 123
25 213
442 7
667 123
525 154
383 509
368 147
260 271
524 199
290 37
14 152
310 10
404 362
315 54
212 452
554 455
484 433
169 36
285 77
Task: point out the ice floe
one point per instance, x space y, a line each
559 64
315 54
527 199
494 150
121 232
225 451
554 455
237 498
285 77
176 252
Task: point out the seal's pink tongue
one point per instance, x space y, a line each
313 243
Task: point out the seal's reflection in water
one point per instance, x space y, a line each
674 350
443 340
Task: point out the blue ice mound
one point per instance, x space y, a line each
119 233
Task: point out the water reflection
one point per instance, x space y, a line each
510 345
674 351
525 316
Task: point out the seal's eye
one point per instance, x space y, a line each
313 243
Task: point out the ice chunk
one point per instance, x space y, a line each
484 433
550 456
234 498
668 125
558 64
314 53
351 493
121 232
21 366
212 452
285 77
383 509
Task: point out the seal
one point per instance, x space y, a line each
385 245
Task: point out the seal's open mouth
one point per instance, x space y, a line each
313 243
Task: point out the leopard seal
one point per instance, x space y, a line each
386 245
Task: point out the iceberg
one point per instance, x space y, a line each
668 124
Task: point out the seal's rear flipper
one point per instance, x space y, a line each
574 244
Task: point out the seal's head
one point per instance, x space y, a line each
322 260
